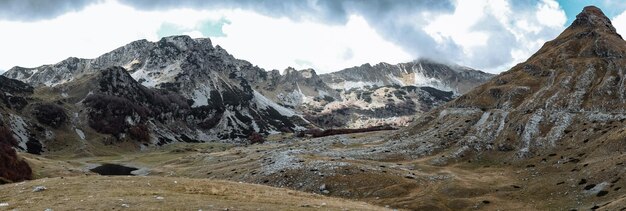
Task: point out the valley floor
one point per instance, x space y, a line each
355 169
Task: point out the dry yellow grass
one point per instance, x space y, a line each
162 193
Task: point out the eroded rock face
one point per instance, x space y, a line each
570 91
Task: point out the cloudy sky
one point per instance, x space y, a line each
327 35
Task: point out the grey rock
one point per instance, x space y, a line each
39 188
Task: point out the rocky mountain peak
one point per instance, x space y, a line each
184 42
592 16
591 35
291 72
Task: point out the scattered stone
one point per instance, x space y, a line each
159 198
48 209
4 204
39 188
125 205
305 205
323 189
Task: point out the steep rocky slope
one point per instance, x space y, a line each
221 101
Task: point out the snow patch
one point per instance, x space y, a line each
153 77
263 102
80 133
201 96
131 64
348 85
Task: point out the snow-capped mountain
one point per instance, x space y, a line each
420 73
184 89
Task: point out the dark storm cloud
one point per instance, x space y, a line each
326 10
32 10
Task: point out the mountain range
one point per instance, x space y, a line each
181 89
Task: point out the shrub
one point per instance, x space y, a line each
12 169
256 138
139 133
108 113
50 114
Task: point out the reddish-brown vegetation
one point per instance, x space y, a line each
12 169
50 114
256 138
139 133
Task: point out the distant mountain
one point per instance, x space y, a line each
420 73
368 95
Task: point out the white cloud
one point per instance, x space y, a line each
271 43
278 43
498 36
492 35
89 33
619 22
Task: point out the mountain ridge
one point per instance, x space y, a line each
200 72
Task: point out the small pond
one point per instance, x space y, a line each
113 169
